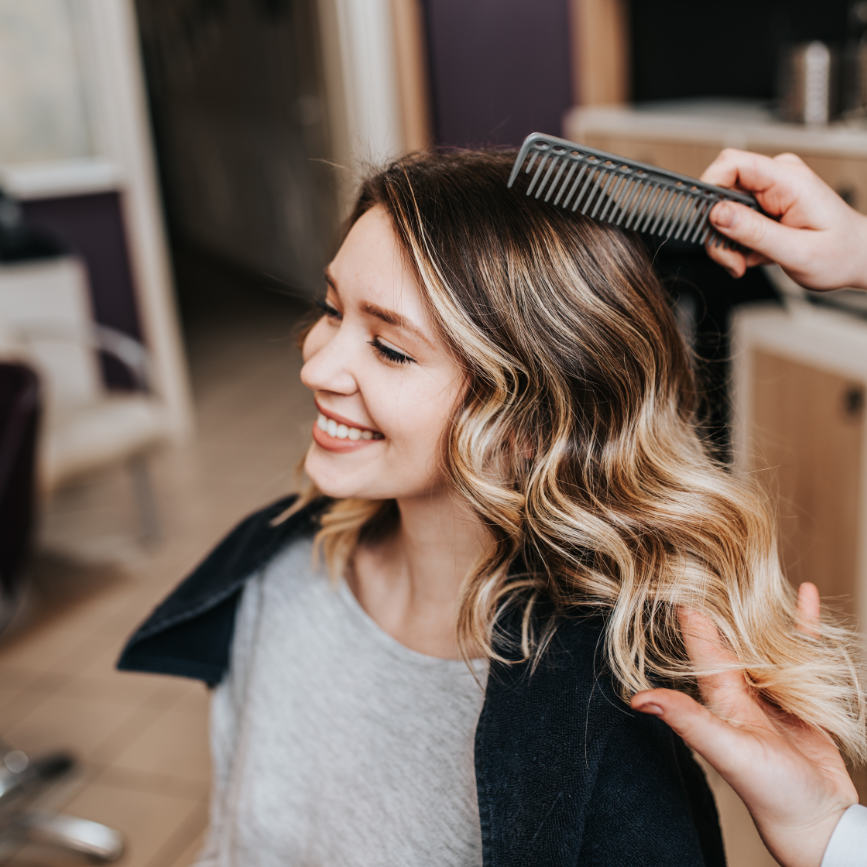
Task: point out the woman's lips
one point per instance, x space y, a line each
339 419
338 434
340 444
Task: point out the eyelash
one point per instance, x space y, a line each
385 352
388 353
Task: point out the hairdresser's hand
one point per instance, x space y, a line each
819 241
791 778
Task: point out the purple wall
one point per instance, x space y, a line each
499 69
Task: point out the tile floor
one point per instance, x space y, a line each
142 740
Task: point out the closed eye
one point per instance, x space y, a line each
327 309
385 352
388 353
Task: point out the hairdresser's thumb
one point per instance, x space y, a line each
708 735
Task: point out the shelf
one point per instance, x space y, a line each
730 123
60 179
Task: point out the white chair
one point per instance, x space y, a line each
46 320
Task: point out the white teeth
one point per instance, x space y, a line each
342 431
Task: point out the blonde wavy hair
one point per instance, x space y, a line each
576 444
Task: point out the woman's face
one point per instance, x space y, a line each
383 383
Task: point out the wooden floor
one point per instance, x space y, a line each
142 740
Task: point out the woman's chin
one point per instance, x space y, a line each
331 481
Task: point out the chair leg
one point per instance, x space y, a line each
90 839
146 501
20 774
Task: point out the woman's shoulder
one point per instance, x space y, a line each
190 632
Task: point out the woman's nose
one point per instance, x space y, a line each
326 361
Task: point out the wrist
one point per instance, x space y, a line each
858 279
846 842
800 845
825 831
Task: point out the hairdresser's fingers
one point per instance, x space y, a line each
717 741
736 262
777 182
809 608
737 169
815 236
795 799
732 260
754 258
725 692
757 232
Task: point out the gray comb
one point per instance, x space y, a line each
613 189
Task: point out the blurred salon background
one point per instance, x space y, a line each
173 176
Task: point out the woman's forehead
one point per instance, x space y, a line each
371 266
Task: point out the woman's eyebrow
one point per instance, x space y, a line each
384 314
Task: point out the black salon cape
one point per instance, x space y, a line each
566 773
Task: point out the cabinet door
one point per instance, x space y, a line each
807 432
688 158
847 175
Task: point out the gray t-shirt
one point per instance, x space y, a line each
333 744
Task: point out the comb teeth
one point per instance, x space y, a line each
622 192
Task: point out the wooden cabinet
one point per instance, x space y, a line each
685 137
806 444
800 427
799 379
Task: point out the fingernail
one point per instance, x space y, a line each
723 215
655 709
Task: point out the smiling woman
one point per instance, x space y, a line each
513 499
373 370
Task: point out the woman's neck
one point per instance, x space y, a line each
410 582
